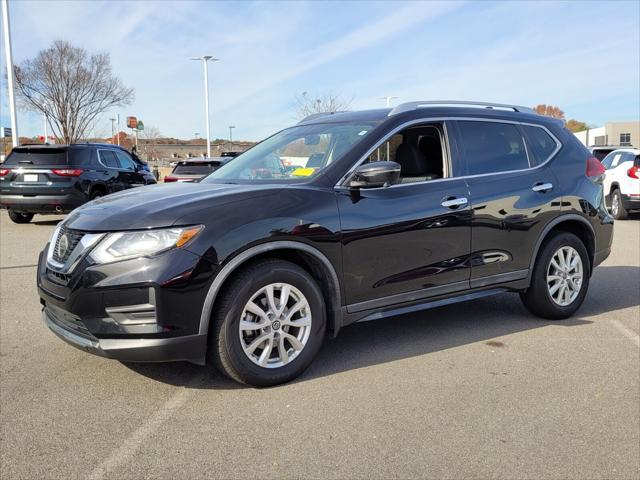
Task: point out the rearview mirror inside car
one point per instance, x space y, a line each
312 140
375 174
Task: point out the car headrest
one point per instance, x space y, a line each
430 147
411 161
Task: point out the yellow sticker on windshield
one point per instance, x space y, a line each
303 172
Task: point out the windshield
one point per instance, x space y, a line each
294 154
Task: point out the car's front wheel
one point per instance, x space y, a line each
18 217
560 278
268 324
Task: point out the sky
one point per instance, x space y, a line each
581 56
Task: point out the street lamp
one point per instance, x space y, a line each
231 127
205 59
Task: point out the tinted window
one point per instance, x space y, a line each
37 156
541 144
81 157
606 162
492 147
125 161
195 169
108 159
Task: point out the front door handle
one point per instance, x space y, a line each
542 187
454 202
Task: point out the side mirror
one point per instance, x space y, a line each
375 174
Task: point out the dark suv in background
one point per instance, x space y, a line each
58 178
386 212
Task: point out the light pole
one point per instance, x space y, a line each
388 103
9 57
205 59
231 127
113 129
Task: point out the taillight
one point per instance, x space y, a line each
170 179
594 167
634 172
68 172
4 171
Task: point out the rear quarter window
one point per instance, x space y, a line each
50 157
83 157
541 144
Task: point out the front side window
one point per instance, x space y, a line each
294 154
419 150
625 139
108 159
125 161
492 147
541 144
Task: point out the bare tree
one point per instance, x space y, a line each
151 135
70 87
328 102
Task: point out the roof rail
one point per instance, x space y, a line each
320 114
406 107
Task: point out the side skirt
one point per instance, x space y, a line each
432 304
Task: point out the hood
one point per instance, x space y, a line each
157 206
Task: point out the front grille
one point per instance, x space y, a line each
57 277
62 251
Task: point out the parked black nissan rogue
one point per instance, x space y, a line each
386 212
59 178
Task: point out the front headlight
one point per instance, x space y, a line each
125 245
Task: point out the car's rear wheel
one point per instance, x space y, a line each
97 193
18 217
617 207
268 325
560 278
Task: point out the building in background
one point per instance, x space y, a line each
612 133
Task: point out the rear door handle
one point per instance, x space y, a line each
454 202
542 187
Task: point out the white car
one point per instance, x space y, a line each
622 181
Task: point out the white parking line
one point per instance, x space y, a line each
131 445
627 332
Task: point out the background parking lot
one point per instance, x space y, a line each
480 389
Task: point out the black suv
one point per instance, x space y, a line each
59 178
377 213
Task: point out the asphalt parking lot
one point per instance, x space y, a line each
480 390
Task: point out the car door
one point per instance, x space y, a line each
404 242
131 176
512 195
110 170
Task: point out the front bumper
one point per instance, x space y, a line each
140 310
189 348
42 203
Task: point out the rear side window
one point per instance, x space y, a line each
37 157
108 159
541 144
492 147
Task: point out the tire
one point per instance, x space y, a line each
617 207
227 342
17 217
538 298
97 193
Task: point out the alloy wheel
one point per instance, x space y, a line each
275 325
564 276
